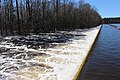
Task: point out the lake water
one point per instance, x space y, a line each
104 60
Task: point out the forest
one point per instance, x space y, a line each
20 17
114 20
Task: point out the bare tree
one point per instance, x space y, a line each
11 16
46 15
1 17
18 18
44 11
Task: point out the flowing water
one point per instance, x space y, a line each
39 57
104 60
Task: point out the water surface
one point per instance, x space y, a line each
104 60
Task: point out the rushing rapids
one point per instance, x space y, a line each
47 56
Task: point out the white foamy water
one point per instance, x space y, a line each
58 61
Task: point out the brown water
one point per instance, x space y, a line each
104 60
39 57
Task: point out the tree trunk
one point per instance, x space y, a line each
44 11
18 18
11 17
0 18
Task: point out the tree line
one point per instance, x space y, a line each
114 20
34 16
